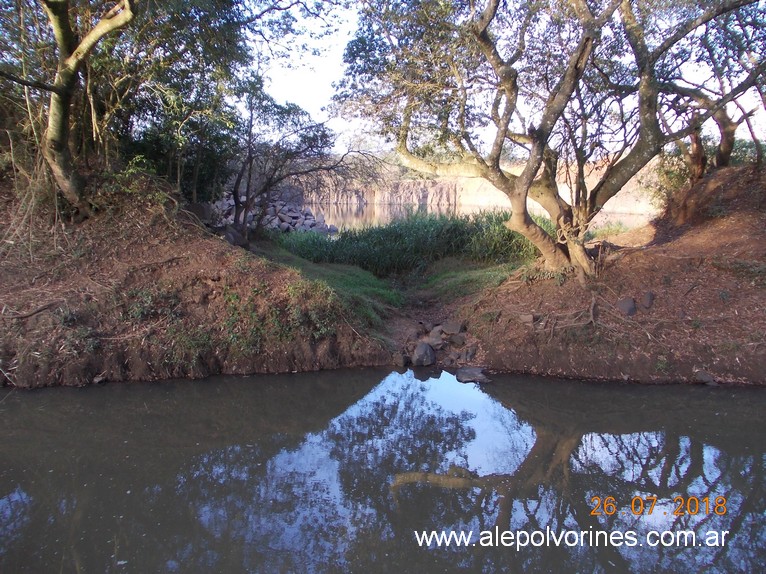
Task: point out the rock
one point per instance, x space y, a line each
435 342
436 332
425 326
627 306
332 229
233 236
401 360
423 355
527 319
471 375
647 300
285 218
469 353
453 327
704 377
458 339
284 226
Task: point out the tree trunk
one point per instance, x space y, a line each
58 155
555 258
72 55
697 159
727 129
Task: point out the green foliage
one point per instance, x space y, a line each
610 229
530 274
414 242
451 278
186 345
365 299
666 177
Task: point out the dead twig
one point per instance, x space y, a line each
30 313
690 289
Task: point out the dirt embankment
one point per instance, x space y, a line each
143 294
669 305
139 293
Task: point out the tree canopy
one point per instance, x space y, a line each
563 86
95 84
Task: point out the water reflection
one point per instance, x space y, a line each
360 215
334 472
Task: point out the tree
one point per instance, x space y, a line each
280 144
73 52
460 85
170 72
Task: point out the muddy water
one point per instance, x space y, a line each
337 472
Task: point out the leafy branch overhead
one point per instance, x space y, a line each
100 84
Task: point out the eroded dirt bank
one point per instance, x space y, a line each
143 294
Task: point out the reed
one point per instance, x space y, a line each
416 241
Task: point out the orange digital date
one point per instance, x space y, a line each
640 505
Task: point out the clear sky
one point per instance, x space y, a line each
308 82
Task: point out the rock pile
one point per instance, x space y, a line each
280 215
287 217
445 343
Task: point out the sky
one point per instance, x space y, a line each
309 83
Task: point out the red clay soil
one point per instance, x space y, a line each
707 320
141 293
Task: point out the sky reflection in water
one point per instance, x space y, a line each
333 472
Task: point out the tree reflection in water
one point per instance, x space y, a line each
323 486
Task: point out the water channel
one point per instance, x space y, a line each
342 471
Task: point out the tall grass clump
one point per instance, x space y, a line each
416 241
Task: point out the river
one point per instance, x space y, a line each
346 471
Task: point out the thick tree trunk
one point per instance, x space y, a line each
72 55
555 258
57 153
697 160
727 129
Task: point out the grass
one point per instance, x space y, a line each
610 229
366 297
449 255
413 243
451 278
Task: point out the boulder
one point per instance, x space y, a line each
436 332
400 360
423 355
452 327
235 237
458 339
471 375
